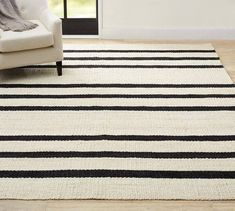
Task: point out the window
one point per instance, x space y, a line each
79 16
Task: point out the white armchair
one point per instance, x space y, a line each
40 45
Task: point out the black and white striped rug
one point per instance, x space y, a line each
123 122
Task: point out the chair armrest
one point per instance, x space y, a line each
50 21
54 25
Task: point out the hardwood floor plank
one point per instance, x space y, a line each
107 205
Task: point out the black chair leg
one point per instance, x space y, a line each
59 68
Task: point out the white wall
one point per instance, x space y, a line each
167 19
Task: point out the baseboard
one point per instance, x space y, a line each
169 34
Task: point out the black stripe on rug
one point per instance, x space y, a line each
139 51
113 154
117 138
119 174
117 108
143 58
132 66
32 96
117 85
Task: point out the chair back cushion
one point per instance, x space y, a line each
31 9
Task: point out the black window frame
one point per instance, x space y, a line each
79 26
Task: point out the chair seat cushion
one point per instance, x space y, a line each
36 38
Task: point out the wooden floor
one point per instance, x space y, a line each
102 205
226 51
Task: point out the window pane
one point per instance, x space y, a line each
81 8
57 7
